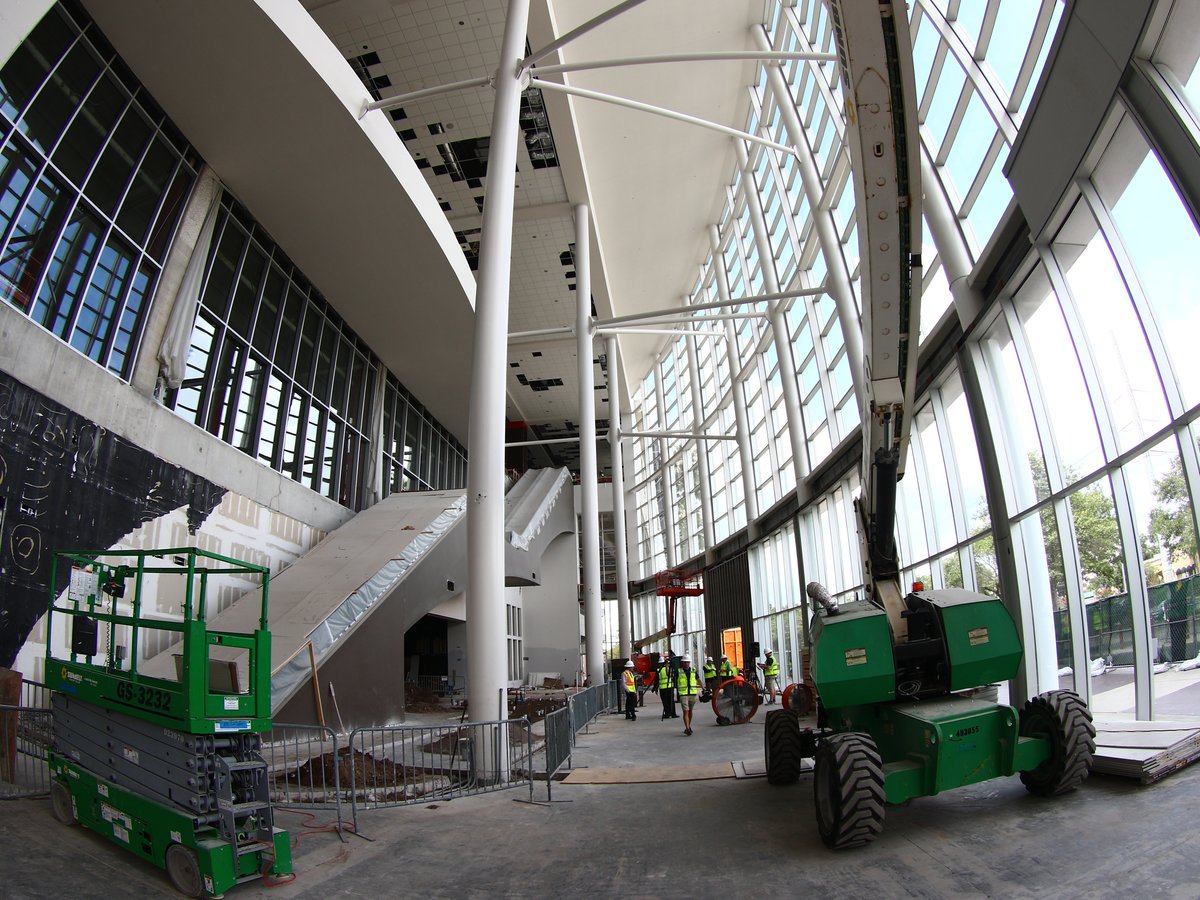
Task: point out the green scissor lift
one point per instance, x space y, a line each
167 768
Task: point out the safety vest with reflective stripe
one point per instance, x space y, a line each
710 671
772 667
630 682
685 683
727 669
664 676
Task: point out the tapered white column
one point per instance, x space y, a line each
487 646
1039 663
664 483
589 514
775 315
840 287
621 557
739 396
705 485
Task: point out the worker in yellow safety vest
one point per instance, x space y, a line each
771 676
666 688
630 691
687 686
710 673
726 669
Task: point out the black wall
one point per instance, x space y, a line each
727 604
68 484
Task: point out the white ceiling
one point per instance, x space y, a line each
653 185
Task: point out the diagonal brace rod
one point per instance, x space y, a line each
658 111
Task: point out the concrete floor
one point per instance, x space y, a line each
727 838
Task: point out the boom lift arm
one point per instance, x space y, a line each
880 97
892 672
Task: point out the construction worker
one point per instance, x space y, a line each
687 686
710 673
726 669
771 676
630 691
666 688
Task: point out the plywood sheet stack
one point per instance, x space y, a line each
1147 751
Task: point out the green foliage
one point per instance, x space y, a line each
1172 527
1096 534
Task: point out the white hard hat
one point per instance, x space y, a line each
708 659
629 663
768 653
686 659
723 656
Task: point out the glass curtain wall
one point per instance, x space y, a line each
93 179
274 371
1090 391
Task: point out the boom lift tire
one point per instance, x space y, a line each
848 789
1063 718
184 870
781 744
60 803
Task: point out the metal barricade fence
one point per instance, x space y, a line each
395 765
35 694
306 768
560 738
589 703
26 735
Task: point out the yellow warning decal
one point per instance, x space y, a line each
978 636
856 657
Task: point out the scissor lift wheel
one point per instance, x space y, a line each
61 803
184 870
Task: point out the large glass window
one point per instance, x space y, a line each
274 371
93 178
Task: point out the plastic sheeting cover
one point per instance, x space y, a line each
326 635
520 539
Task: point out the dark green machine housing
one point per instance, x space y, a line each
896 719
900 694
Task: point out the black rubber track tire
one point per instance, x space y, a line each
848 790
60 803
1063 718
183 868
781 744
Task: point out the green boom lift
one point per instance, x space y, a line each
167 768
892 670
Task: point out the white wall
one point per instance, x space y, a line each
551 617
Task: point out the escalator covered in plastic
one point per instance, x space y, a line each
341 610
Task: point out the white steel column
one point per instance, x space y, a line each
779 327
590 537
621 560
840 287
1039 666
666 504
705 485
487 648
739 398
